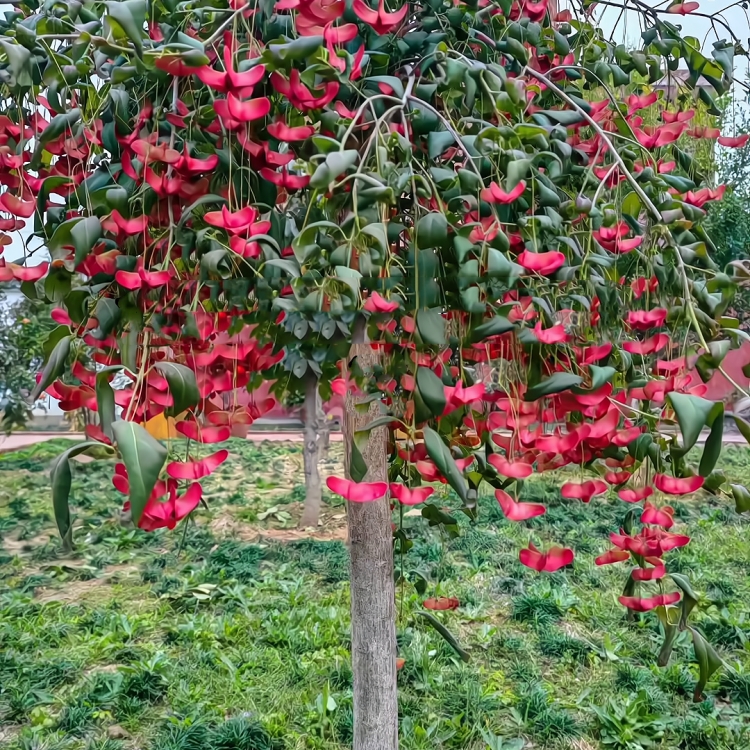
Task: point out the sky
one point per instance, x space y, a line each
628 27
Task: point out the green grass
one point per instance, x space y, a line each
242 641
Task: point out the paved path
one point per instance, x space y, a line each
24 439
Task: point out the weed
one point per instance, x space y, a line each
631 678
544 720
105 743
543 606
234 560
737 686
240 733
76 719
182 735
702 733
554 643
328 559
16 702
677 679
506 645
144 684
340 677
466 697
523 671
170 646
629 724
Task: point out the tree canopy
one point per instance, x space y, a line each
492 198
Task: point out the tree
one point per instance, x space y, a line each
24 326
441 182
313 352
728 221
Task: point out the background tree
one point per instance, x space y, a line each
313 353
728 221
444 183
24 327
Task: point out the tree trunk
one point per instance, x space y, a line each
324 433
311 511
372 586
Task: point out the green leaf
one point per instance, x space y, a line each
560 381
432 230
437 517
431 389
285 264
218 262
714 443
565 117
742 425
62 237
57 284
741 497
710 360
379 233
298 49
202 201
19 63
182 386
107 314
517 171
57 126
689 597
105 400
693 413
390 81
640 447
494 327
53 337
384 421
632 205
144 457
708 662
357 464
61 480
670 635
599 376
339 161
499 266
505 6
335 164
130 16
492 740
128 346
54 367
419 581
437 142
84 235
431 327
449 637
439 452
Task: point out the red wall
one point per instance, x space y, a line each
719 388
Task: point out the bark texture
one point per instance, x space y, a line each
372 587
311 511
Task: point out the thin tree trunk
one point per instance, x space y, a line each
372 586
311 511
324 433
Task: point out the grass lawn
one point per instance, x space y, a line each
235 634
